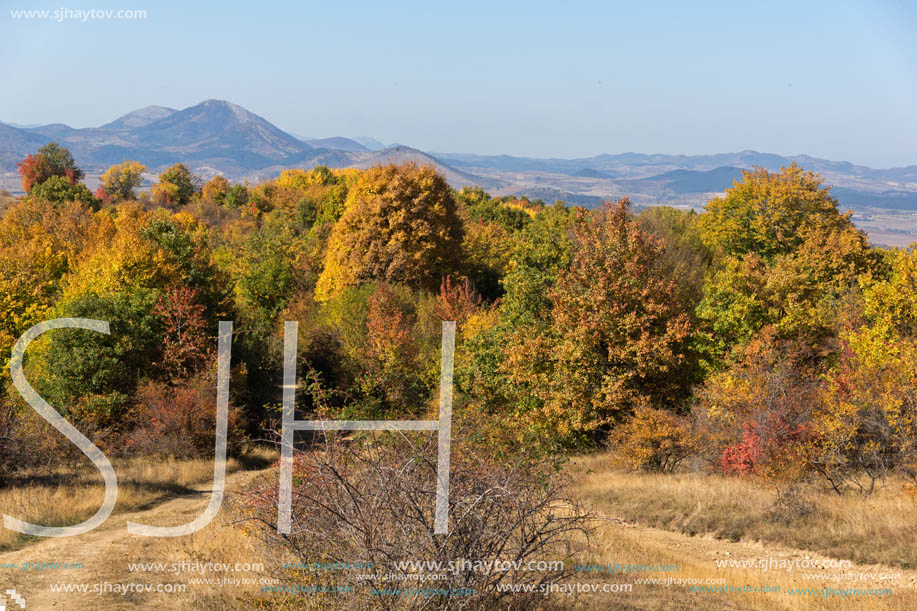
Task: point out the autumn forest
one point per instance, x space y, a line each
762 340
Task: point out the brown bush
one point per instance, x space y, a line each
28 442
374 503
180 421
792 503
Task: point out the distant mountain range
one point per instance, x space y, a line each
218 137
213 137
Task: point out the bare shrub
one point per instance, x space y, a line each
792 504
28 442
373 502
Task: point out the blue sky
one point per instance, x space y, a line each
831 79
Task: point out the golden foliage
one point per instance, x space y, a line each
399 225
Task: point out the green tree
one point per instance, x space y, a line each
768 213
480 206
91 375
799 292
176 186
538 255
541 252
784 256
615 340
266 282
235 197
58 190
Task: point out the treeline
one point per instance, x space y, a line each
764 336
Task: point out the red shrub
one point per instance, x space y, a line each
742 458
457 301
186 346
180 421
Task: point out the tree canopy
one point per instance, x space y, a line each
50 160
400 224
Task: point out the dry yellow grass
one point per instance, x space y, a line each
668 507
880 528
684 514
69 496
624 544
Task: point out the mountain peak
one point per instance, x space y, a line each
140 117
235 108
216 129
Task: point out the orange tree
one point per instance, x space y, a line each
613 339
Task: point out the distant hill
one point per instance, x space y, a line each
337 143
16 144
213 134
370 143
693 181
219 137
590 173
141 117
687 179
213 137
215 128
402 154
895 200
630 165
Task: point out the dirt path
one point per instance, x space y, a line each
104 554
106 551
697 559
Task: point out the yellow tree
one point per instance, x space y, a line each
400 224
868 416
767 213
215 189
784 256
176 186
120 180
38 244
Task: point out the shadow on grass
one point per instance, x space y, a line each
146 494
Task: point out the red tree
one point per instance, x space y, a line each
185 344
50 160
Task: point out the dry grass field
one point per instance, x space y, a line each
880 528
689 520
69 496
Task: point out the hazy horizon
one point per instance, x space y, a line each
306 137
